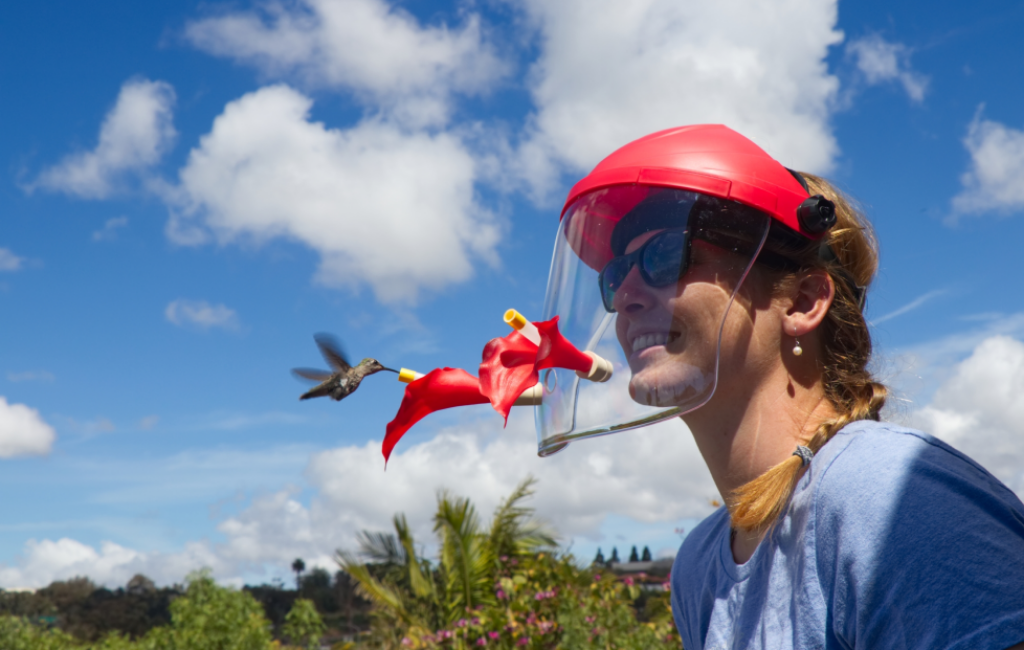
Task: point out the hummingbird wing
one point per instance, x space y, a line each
311 374
331 349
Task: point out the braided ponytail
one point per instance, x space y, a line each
845 351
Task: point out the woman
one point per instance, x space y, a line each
736 288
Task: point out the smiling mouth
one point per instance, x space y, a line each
650 340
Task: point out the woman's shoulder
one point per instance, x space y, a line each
876 479
901 517
882 459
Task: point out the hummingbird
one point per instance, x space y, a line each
343 379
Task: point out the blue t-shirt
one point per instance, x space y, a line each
892 539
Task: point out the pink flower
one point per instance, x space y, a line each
541 595
597 577
494 635
407 641
523 640
500 594
590 619
476 621
628 580
666 586
461 623
481 641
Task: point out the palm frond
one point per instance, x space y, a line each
421 585
385 596
466 557
381 547
514 531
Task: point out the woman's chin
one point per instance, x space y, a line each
678 384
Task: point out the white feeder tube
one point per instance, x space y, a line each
531 396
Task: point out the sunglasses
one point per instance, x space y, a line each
662 260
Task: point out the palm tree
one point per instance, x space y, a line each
411 591
467 556
298 566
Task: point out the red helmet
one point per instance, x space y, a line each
708 158
711 159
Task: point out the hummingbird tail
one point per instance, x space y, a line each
319 391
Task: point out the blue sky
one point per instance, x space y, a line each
191 190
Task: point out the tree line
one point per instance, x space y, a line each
502 584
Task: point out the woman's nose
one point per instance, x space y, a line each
633 295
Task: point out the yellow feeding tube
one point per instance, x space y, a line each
519 323
407 376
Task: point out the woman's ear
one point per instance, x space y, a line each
812 295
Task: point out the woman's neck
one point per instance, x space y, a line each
741 436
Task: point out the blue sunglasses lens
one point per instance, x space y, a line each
663 260
611 278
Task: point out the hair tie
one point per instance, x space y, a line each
804 453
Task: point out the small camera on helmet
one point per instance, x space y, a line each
817 214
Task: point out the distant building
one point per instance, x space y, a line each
645 572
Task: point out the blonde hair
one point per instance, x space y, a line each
845 350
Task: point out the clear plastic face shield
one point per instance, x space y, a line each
645 277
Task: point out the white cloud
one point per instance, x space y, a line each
916 372
23 432
202 314
610 72
995 179
109 229
654 475
881 61
648 476
910 306
135 134
378 51
382 206
978 409
44 561
9 261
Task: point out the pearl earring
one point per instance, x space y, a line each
797 350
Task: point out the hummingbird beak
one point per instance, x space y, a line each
391 370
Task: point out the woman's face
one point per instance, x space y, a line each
669 335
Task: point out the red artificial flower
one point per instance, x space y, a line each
508 368
556 351
442 388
